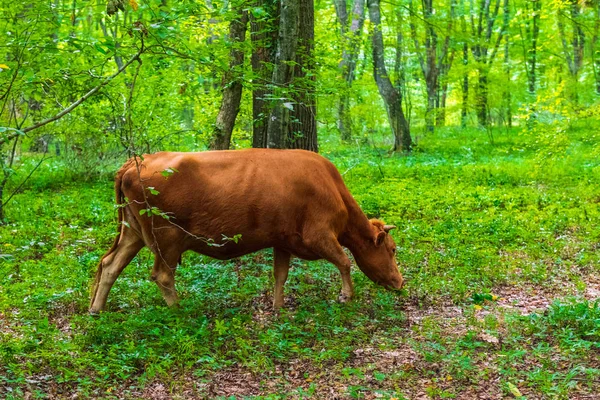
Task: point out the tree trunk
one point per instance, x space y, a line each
464 111
441 112
232 84
390 95
347 66
264 38
432 96
574 51
481 98
534 34
292 119
283 69
595 51
344 122
2 184
302 133
485 47
507 95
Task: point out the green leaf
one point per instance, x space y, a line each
168 172
100 49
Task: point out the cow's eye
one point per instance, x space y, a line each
394 250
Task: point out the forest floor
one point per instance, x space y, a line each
499 244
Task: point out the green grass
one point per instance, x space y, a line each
473 218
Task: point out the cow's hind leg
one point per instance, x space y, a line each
163 273
330 249
112 264
281 266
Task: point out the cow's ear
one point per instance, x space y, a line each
380 238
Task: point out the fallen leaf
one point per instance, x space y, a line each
514 390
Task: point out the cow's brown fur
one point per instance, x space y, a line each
291 200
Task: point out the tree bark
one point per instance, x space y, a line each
390 95
481 97
264 39
302 133
232 84
292 119
279 119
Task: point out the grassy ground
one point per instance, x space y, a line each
498 243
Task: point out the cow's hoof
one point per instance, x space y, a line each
344 298
93 312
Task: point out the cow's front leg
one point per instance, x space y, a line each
281 266
163 273
331 250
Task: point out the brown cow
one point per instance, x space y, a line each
225 204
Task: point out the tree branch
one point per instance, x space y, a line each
74 105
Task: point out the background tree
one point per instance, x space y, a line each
484 47
434 57
351 27
232 83
573 42
390 94
292 120
264 22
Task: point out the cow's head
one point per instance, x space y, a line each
377 257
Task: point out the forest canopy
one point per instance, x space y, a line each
352 68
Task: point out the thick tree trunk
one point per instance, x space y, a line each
232 85
283 69
264 38
292 118
303 125
390 95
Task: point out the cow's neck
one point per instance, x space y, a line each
358 229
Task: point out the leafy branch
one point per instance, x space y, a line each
78 102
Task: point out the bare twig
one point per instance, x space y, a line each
44 158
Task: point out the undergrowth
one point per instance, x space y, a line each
471 217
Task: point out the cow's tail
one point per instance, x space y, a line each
119 200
